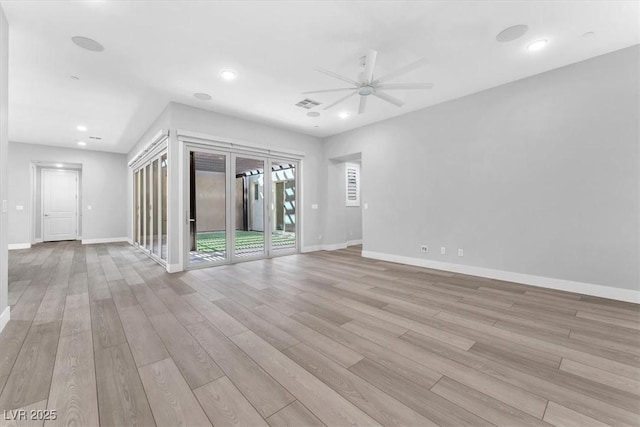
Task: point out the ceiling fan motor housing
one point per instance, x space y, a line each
365 90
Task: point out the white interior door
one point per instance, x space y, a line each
59 205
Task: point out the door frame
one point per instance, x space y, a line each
186 200
231 152
296 176
77 204
265 208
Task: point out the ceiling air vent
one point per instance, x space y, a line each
307 104
97 138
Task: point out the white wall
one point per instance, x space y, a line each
103 187
539 176
4 141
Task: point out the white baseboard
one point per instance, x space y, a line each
37 241
14 246
104 240
173 268
334 246
331 247
619 294
5 317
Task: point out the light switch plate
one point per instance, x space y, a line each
19 208
314 206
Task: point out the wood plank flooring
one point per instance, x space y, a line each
104 336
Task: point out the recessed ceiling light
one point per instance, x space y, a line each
59 165
344 115
313 114
588 34
202 96
82 143
87 43
511 33
537 45
81 128
228 74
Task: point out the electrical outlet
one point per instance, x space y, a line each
460 252
443 250
424 248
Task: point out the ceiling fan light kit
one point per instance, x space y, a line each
368 85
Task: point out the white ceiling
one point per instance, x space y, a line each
162 51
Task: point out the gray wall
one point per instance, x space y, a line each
210 201
539 176
4 141
103 187
345 222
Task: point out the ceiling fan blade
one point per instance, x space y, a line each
393 100
369 64
363 104
337 76
404 70
329 90
340 100
394 86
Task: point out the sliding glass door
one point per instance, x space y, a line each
249 206
240 207
283 207
208 211
150 192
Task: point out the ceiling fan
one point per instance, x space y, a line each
369 86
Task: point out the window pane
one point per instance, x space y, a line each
164 186
156 207
136 207
207 207
147 211
283 227
249 208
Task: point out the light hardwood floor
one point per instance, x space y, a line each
102 335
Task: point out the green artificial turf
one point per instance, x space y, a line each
216 241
